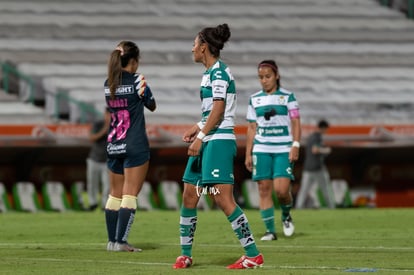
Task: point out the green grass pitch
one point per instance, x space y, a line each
341 241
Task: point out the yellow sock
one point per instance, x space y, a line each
113 203
129 201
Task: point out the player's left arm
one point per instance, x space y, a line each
219 90
149 100
294 116
219 85
145 93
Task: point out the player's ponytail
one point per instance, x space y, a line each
119 59
215 38
114 71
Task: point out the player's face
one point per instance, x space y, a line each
267 78
198 50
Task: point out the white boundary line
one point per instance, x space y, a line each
397 248
287 267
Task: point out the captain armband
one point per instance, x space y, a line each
294 113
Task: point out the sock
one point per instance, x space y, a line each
188 224
285 210
126 217
111 216
268 217
240 226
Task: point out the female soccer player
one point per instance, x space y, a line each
126 94
272 146
212 150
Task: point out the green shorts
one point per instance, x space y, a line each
271 166
214 165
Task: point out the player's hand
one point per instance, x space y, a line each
294 154
142 85
194 148
190 135
248 163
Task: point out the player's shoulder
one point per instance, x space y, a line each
138 76
257 94
219 66
285 91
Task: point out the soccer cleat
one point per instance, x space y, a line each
269 236
183 262
288 227
126 247
247 262
110 246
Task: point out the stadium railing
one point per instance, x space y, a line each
409 9
7 71
86 111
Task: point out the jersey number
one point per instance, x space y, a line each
119 123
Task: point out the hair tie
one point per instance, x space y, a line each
274 68
119 48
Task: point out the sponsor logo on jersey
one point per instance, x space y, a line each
217 74
116 148
122 90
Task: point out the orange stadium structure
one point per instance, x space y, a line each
375 157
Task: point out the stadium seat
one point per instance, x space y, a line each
169 194
4 199
76 191
340 188
205 202
250 194
145 199
54 196
330 52
25 197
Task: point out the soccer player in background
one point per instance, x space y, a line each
126 93
315 171
212 150
272 146
97 178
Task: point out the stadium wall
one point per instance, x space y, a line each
376 161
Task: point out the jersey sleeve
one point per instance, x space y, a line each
251 112
292 102
148 98
293 107
144 91
219 84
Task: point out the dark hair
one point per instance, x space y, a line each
215 38
323 124
119 59
271 64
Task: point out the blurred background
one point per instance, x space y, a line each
349 62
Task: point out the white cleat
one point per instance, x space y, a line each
110 246
288 227
126 247
269 236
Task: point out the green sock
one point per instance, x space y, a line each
268 217
285 210
188 223
240 226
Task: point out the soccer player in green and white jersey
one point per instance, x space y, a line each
272 146
212 150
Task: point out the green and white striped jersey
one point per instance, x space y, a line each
218 83
271 114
